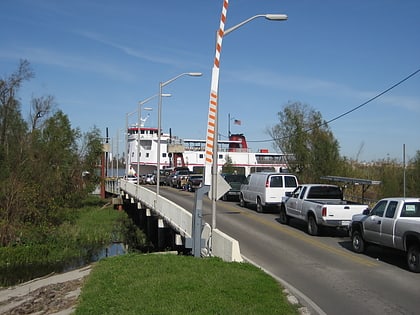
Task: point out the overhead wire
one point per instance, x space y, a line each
353 109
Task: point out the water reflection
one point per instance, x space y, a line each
12 275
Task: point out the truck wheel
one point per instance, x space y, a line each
358 242
242 202
413 258
284 218
259 205
313 228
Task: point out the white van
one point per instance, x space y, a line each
266 189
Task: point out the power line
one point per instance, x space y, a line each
355 108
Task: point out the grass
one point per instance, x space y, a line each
40 252
170 284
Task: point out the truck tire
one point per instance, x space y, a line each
413 258
284 218
357 242
313 228
259 206
242 202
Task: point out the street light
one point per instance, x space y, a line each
161 85
126 141
271 17
140 104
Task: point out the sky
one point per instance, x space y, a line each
99 58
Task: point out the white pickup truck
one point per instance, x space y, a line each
319 206
392 222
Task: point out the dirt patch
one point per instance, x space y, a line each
53 294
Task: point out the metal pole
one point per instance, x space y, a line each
118 152
229 124
215 91
404 166
126 145
159 140
214 173
161 85
138 142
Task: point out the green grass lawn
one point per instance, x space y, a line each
171 284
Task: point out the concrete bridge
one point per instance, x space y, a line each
171 225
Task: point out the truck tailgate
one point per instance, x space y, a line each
342 213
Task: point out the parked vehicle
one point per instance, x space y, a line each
194 181
319 205
164 176
394 223
169 174
235 181
266 189
179 178
131 178
150 179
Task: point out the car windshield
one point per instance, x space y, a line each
235 178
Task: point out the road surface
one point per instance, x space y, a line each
337 280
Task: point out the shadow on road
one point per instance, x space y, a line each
384 254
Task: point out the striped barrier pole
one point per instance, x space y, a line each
211 137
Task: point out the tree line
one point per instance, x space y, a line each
46 165
313 152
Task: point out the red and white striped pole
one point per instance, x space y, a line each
210 171
212 124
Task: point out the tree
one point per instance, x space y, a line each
413 176
41 107
13 139
310 147
10 118
42 169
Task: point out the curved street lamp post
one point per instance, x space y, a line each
139 123
271 17
161 85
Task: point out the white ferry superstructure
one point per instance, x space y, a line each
142 153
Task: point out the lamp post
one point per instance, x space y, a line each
127 164
161 85
271 17
118 151
140 104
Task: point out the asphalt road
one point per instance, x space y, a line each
337 280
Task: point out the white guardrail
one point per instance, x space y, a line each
223 246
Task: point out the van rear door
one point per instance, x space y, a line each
274 189
278 185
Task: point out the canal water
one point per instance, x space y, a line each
22 273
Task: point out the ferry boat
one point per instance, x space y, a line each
142 153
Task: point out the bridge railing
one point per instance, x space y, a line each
180 220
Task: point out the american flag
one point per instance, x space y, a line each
237 122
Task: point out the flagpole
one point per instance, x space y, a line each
229 125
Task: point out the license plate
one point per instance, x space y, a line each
345 223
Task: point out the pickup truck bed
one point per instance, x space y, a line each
327 210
